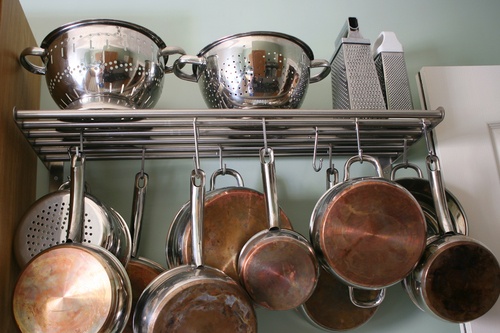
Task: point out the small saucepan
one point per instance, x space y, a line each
458 278
196 297
232 215
141 271
370 232
277 267
73 287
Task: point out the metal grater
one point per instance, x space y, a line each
391 69
355 83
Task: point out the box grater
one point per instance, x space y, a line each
355 83
391 69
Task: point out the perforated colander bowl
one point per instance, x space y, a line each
44 225
102 64
259 69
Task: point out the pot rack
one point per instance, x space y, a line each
165 134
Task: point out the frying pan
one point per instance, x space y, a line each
141 271
232 215
73 287
194 298
458 278
370 232
277 267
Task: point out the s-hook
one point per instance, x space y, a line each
358 140
222 166
316 167
196 134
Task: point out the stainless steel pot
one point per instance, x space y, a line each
370 232
232 215
458 278
102 64
73 287
194 298
259 69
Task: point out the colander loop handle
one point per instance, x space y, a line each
169 51
268 169
320 63
223 172
28 65
197 204
138 202
406 166
189 60
76 199
370 159
367 304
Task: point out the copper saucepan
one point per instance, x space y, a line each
232 215
458 278
370 232
277 267
194 298
141 271
330 306
73 287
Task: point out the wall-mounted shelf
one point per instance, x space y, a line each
158 134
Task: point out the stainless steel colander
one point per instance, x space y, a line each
258 69
45 224
102 64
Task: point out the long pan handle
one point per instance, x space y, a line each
138 202
76 199
270 188
197 203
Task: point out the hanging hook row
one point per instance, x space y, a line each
316 167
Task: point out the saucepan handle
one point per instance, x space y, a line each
223 172
406 166
370 159
197 205
367 304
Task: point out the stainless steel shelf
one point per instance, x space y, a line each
162 134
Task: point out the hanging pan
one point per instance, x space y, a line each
194 298
73 287
458 278
141 271
277 267
330 306
232 215
370 232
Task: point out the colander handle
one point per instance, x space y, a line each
188 60
168 51
320 63
37 52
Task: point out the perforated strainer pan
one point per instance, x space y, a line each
45 225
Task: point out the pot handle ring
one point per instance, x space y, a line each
367 304
188 60
320 63
227 171
370 159
168 51
28 65
406 166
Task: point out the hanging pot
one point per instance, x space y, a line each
232 215
73 287
277 267
421 190
330 307
370 232
45 225
458 278
141 271
194 298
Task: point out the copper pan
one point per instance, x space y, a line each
232 215
458 278
277 267
370 232
194 297
330 307
73 287
141 271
